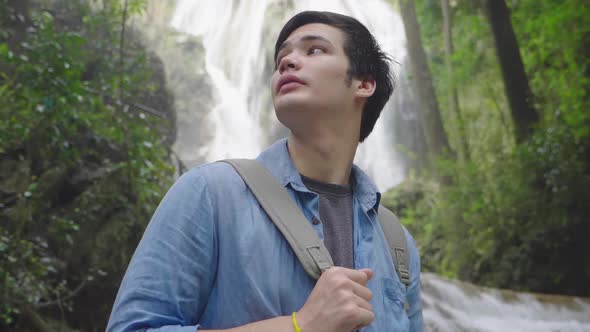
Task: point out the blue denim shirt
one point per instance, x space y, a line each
212 259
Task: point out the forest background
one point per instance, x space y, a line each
498 196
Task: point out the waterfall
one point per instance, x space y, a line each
232 39
238 39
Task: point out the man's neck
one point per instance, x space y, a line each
326 159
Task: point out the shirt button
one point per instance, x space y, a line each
315 221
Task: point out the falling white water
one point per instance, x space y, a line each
236 41
453 306
231 37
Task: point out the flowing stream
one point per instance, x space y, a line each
450 305
217 56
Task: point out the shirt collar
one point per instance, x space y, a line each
278 161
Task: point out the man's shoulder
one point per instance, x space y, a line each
214 176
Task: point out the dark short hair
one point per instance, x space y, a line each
366 58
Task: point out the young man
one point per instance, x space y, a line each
211 259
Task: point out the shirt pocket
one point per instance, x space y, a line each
394 304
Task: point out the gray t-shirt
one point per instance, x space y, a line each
336 217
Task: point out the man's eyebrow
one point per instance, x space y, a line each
305 38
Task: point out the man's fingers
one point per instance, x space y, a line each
366 317
352 298
364 304
362 292
358 276
368 272
362 276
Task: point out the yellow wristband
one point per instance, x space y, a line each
295 325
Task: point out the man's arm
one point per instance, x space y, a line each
169 278
171 273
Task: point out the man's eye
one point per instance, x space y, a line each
316 50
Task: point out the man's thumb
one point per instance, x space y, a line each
368 272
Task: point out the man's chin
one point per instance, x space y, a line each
292 115
288 105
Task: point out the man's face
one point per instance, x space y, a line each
311 75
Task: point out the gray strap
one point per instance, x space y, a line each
308 247
283 211
396 238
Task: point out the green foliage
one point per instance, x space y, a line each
512 216
517 224
83 168
42 89
556 40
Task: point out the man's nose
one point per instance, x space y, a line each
288 62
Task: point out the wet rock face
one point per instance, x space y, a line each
76 221
181 62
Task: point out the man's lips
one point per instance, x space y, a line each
289 81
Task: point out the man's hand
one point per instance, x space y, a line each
339 302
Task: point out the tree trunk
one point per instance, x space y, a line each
515 80
31 321
453 96
434 132
18 22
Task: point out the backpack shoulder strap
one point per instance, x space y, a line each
396 238
283 211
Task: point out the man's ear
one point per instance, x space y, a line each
365 87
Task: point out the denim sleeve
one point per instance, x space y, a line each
169 278
413 293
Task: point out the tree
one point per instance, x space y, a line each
516 83
436 137
452 89
526 204
69 221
